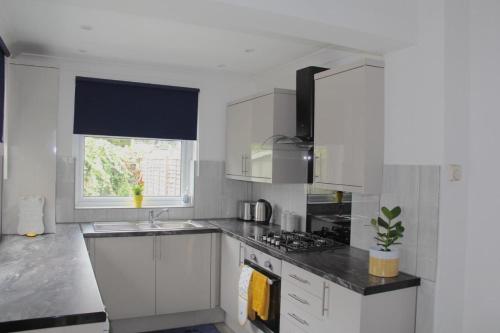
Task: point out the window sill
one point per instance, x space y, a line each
130 207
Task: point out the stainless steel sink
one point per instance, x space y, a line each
177 225
144 226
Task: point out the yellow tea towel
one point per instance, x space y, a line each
258 299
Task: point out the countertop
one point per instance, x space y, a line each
347 266
47 281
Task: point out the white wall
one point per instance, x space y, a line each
449 303
414 93
482 290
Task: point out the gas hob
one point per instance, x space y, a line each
296 241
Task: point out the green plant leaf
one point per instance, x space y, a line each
395 212
387 213
374 222
382 223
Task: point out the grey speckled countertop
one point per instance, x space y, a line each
47 281
347 267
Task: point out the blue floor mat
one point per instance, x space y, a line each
192 329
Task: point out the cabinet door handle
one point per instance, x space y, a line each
242 163
154 248
317 166
159 248
298 299
239 256
293 276
325 298
297 318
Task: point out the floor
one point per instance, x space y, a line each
215 328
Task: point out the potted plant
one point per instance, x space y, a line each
384 260
138 189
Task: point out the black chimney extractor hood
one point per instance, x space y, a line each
305 102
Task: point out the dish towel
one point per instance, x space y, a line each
259 295
243 293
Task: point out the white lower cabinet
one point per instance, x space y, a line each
183 273
230 275
312 304
125 272
154 275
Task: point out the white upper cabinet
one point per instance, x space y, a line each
238 139
349 128
253 125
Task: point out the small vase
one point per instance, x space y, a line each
384 263
138 201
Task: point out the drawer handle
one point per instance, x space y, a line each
298 299
293 276
297 318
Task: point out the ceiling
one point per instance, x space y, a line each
146 31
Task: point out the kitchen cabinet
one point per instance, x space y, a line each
155 275
125 273
313 304
349 127
253 125
238 139
183 273
32 104
229 275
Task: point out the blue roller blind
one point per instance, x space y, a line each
131 109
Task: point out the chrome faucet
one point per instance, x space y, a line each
153 217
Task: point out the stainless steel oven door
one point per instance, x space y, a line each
272 325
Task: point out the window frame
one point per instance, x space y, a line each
187 180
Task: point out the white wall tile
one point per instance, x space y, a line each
416 190
428 216
363 209
283 197
401 188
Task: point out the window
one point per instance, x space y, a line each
109 167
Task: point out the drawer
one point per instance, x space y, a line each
309 282
301 319
263 260
287 326
302 299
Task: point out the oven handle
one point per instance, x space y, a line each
272 278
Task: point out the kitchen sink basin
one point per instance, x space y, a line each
144 226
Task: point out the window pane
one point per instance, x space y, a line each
112 166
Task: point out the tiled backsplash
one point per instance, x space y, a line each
283 197
416 190
215 196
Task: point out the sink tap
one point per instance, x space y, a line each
153 217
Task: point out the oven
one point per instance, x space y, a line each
270 267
